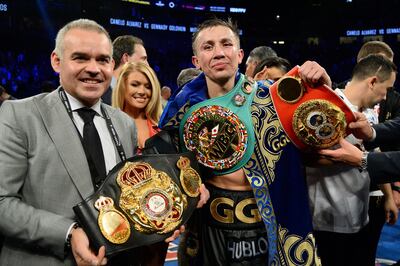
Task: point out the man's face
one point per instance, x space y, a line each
139 54
85 66
250 67
217 53
166 94
379 90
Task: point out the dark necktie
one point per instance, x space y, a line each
92 146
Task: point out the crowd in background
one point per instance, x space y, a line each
26 72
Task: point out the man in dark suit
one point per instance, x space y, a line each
45 169
383 167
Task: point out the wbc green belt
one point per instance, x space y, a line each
220 130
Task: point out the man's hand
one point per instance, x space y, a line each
176 234
82 253
391 211
312 73
347 153
396 195
396 198
204 196
361 128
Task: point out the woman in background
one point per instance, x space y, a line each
138 94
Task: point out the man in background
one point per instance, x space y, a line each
257 55
339 194
272 69
165 94
380 198
187 75
126 48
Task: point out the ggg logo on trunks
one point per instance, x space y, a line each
217 136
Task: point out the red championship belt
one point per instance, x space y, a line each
312 117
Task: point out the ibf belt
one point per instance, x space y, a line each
312 117
319 123
220 131
142 200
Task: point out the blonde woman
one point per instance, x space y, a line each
138 94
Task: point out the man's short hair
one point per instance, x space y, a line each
124 44
214 22
374 65
187 75
261 53
165 88
275 61
375 47
2 90
84 24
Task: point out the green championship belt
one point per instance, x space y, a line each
220 131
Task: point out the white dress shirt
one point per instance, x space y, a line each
109 149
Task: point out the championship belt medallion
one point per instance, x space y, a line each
150 198
216 135
319 123
113 224
190 179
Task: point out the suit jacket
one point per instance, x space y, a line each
43 174
107 96
387 132
384 167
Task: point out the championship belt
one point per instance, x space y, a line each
312 117
220 131
142 201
